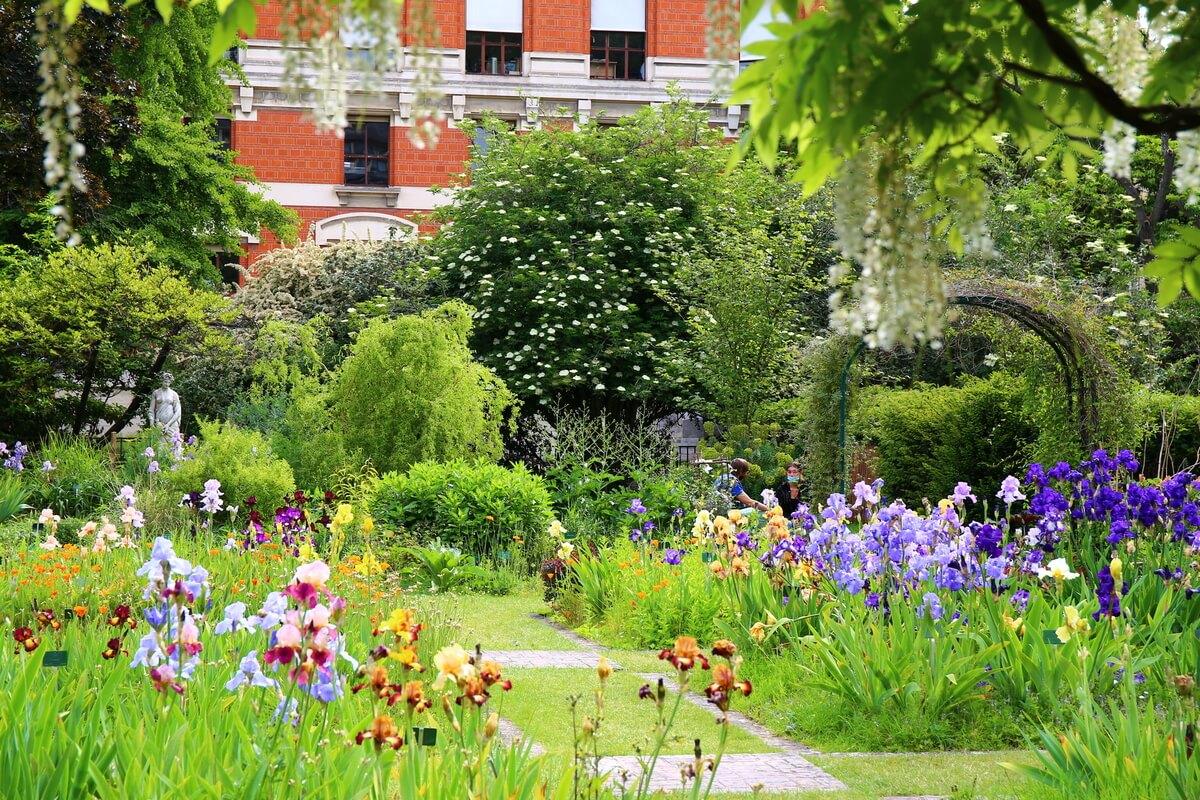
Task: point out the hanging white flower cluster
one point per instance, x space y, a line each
1125 65
427 113
59 122
899 296
323 45
1126 46
724 41
1187 164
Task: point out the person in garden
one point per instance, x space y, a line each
741 468
788 491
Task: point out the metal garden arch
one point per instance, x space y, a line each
1082 367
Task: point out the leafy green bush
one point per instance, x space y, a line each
13 494
438 568
81 480
482 509
307 440
241 460
927 440
410 391
1172 441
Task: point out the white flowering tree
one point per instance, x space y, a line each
902 102
568 243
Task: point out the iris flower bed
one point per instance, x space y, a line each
233 660
1069 590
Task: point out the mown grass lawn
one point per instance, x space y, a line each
496 623
539 705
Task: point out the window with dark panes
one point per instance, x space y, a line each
493 53
225 133
365 161
618 55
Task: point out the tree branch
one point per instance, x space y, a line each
1164 185
1154 119
140 389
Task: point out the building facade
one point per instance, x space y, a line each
523 61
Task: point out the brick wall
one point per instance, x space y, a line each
557 26
284 146
451 18
676 28
268 20
429 167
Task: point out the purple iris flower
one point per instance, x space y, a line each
987 539
673 556
872 600
636 507
951 578
1020 599
932 604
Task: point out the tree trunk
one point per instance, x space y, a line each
140 389
86 390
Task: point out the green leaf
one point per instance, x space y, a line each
1070 166
1169 289
1190 235
165 7
1191 278
1174 248
71 10
100 5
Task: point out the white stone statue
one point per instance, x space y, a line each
165 409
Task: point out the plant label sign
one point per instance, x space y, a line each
425 736
54 658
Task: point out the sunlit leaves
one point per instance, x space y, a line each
1176 265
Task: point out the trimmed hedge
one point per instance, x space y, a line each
927 440
1171 441
482 509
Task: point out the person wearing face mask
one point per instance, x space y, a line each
788 492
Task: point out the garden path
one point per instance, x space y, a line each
783 771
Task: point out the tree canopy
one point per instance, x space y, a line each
903 102
148 100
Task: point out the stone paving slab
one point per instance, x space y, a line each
582 641
512 735
739 719
561 659
738 772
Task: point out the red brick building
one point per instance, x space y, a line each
524 61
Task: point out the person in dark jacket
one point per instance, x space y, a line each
788 492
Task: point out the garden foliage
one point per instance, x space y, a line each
87 324
581 302
488 511
409 391
242 460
